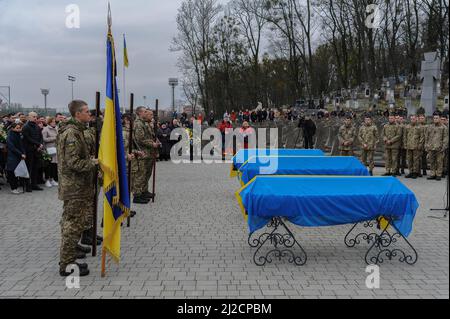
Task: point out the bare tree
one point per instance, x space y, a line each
195 22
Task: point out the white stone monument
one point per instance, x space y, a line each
430 75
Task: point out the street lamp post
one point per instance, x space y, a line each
45 92
145 99
9 95
173 82
71 79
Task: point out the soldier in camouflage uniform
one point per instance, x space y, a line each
391 138
76 170
413 141
423 159
369 138
131 158
346 136
401 164
145 140
435 143
90 138
444 122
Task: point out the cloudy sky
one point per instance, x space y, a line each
37 50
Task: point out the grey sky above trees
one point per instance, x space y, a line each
38 51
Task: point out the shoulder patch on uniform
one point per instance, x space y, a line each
70 142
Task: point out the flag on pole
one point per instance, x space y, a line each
125 52
116 203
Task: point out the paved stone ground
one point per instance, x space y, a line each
192 243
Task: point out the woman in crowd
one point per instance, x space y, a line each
49 134
248 135
16 153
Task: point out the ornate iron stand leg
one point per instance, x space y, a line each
282 244
352 241
383 244
256 241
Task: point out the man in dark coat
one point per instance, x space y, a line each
34 144
164 137
309 131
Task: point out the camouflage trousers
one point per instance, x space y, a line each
142 176
346 152
134 174
391 158
436 160
423 161
413 159
367 158
402 159
72 224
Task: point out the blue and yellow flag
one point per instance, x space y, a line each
125 53
116 204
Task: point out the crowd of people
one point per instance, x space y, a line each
29 138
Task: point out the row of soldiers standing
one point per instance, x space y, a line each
77 172
414 145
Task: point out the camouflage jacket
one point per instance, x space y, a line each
144 137
435 138
393 133
413 137
446 138
368 135
89 136
346 134
402 133
75 166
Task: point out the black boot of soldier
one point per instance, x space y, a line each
84 249
148 195
86 238
139 199
83 270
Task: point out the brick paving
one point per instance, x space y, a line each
192 243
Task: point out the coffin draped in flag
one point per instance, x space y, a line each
116 203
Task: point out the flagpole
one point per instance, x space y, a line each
103 263
155 128
97 142
124 87
130 149
103 266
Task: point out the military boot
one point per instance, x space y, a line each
83 270
86 238
148 195
84 249
139 199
